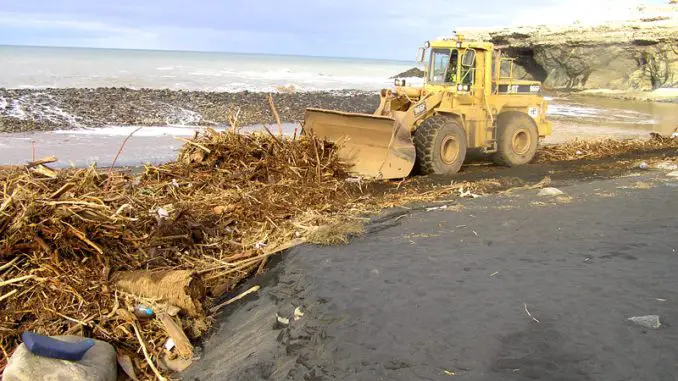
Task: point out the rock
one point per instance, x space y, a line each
637 53
282 320
552 192
649 321
667 166
298 313
672 174
644 165
98 364
177 364
414 72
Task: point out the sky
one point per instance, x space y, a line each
338 28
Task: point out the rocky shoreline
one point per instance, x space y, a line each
23 110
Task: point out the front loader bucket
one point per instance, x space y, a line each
375 146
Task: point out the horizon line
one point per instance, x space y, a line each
203 52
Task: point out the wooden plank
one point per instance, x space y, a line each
174 330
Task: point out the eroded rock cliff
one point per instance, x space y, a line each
640 53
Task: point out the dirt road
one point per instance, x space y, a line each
504 287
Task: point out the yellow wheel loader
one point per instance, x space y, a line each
469 100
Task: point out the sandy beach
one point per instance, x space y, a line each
509 286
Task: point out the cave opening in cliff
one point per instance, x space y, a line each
525 58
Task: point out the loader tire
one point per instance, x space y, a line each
517 139
440 143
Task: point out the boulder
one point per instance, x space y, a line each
649 321
414 72
98 364
550 192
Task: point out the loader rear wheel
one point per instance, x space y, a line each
517 139
441 146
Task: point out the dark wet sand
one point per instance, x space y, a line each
442 295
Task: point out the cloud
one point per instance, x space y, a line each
581 11
357 28
48 29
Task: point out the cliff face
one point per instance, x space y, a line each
638 54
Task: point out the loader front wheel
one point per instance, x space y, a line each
441 146
517 139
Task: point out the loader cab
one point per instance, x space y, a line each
455 66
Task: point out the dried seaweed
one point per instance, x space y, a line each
595 149
218 210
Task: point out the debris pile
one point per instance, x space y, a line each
111 255
596 149
139 259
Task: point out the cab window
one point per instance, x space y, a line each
468 69
443 66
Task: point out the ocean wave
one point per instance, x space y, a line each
34 87
310 77
237 83
179 116
15 110
213 72
145 131
37 106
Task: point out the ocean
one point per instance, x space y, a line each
42 67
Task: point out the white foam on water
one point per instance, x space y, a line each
208 73
179 116
38 106
571 110
601 115
666 92
15 110
84 68
57 114
145 131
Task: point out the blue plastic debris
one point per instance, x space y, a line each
48 347
143 312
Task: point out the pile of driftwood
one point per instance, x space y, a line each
133 259
595 149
